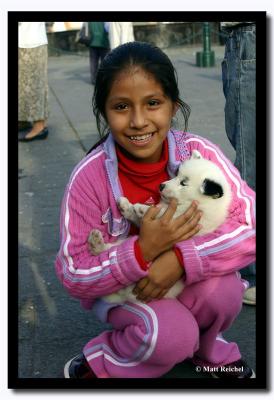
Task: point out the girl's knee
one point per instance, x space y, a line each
228 295
178 334
219 295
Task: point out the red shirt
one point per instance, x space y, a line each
140 183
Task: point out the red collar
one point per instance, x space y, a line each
135 168
140 181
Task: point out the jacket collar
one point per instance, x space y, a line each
177 152
173 159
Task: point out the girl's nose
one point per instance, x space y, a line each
138 119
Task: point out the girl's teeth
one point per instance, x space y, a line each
143 137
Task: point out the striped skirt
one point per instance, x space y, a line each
33 83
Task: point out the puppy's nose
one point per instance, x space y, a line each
162 186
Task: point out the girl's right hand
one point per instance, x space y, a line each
160 234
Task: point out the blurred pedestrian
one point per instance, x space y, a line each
98 47
33 79
119 33
239 86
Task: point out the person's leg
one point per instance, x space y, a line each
147 340
127 34
239 85
93 63
103 53
33 88
114 34
246 144
24 125
215 303
246 156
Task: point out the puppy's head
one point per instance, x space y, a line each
197 179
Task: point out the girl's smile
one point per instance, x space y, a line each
139 114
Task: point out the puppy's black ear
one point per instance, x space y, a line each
211 188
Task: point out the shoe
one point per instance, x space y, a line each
41 135
78 368
237 369
250 296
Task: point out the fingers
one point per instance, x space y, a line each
152 212
156 294
191 212
148 294
189 234
140 285
145 291
162 294
170 211
190 228
193 222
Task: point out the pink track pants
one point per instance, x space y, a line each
147 340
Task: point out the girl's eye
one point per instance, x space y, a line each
120 107
153 103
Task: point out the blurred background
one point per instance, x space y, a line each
61 35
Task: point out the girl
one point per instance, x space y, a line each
135 98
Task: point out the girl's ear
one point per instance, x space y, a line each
175 109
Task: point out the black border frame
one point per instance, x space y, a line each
261 381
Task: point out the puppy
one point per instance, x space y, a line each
197 179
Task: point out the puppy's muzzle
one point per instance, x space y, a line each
162 186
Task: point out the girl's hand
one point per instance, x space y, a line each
159 235
163 273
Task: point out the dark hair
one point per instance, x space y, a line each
151 59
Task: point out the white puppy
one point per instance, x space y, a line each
197 179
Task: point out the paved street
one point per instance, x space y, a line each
53 327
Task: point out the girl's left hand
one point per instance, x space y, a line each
163 273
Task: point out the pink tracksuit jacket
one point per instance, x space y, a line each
211 263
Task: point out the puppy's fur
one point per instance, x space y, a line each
197 179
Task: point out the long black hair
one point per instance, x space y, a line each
152 60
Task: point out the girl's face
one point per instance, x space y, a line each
139 114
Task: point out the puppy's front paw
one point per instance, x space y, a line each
96 242
125 207
123 204
140 210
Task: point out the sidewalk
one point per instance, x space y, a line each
53 327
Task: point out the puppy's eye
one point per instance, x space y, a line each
183 182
